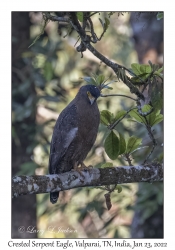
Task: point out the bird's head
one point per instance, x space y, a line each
91 92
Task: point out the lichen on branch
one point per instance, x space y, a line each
36 184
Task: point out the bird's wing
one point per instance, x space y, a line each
65 131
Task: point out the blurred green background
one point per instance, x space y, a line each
45 78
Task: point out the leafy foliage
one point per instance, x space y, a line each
122 144
80 16
156 94
112 146
152 119
115 146
119 115
132 144
106 117
105 24
119 188
144 72
141 71
99 81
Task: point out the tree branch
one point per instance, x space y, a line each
150 133
85 43
36 184
118 95
113 125
56 18
85 39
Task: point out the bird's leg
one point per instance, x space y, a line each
82 168
76 168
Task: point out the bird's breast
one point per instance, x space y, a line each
88 123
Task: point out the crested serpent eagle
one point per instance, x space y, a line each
74 133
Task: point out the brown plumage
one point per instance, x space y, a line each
74 133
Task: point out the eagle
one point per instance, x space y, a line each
74 133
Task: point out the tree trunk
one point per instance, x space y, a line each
23 209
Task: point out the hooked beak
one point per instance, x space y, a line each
91 98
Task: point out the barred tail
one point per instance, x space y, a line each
54 197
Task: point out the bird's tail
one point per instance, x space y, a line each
54 197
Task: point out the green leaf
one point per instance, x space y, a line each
144 68
122 144
139 118
158 74
112 146
102 23
150 63
139 69
80 16
131 120
109 82
146 108
157 97
151 118
160 157
94 76
90 80
137 79
107 22
132 144
159 70
155 67
136 68
157 101
107 165
100 79
119 115
159 15
134 113
119 188
142 71
157 120
105 117
48 71
107 87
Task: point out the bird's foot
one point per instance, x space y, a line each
82 167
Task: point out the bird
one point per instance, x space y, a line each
74 133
